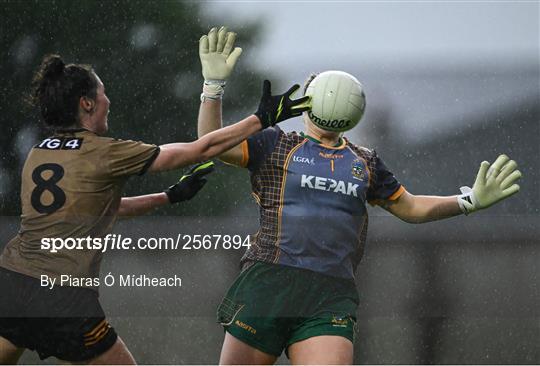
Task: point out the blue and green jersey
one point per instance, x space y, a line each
312 200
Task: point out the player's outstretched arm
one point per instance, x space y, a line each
417 209
177 155
492 184
272 110
218 59
185 189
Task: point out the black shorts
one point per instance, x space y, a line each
64 322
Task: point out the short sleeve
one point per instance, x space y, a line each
260 145
383 183
127 157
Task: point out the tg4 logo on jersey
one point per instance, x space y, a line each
60 143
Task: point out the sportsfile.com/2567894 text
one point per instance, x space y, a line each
120 242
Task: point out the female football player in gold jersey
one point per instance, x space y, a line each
71 188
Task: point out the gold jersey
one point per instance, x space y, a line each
71 188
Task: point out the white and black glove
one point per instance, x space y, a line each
492 184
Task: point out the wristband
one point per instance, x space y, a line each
467 200
213 90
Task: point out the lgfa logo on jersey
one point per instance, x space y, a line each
329 185
357 170
303 160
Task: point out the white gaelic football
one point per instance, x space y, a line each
337 101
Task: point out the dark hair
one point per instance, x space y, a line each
310 78
57 89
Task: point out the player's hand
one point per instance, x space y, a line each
217 55
493 184
276 108
190 183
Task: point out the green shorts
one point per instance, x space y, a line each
272 306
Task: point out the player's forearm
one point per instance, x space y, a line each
209 118
177 155
139 205
431 208
217 142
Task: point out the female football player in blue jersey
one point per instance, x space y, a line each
71 188
296 291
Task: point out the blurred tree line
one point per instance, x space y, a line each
146 53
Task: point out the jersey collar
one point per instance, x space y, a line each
340 144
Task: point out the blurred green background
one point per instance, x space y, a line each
145 52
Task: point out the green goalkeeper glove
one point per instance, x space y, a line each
276 108
217 59
492 184
190 183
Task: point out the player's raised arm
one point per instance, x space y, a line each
218 59
492 184
213 64
215 53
